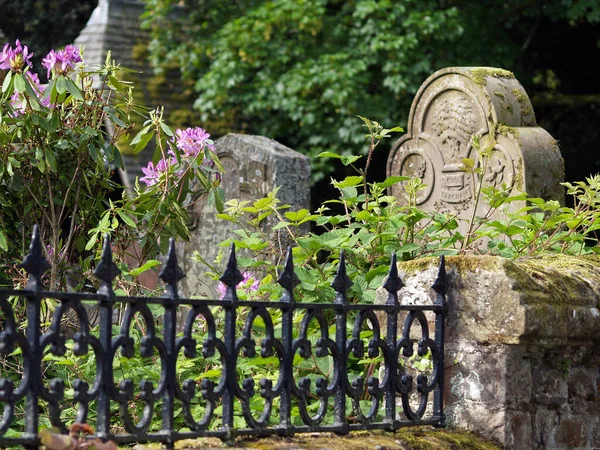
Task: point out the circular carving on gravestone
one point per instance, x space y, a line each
412 160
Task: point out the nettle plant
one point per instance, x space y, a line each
58 157
370 225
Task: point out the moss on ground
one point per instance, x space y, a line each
413 438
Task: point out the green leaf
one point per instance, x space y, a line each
3 241
127 219
167 129
468 163
19 83
389 181
141 134
141 144
61 84
280 225
147 266
51 160
297 216
7 82
349 181
218 196
90 244
74 89
41 122
329 155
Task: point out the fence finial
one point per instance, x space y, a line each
341 282
232 276
288 278
34 263
106 270
171 273
439 285
393 283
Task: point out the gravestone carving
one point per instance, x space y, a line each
254 166
452 106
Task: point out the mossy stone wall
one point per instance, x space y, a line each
521 353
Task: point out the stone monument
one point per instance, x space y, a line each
254 166
455 104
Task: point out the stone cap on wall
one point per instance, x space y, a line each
540 299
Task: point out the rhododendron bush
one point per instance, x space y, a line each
59 163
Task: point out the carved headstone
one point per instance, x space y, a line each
451 106
254 166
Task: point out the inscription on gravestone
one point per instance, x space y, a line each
254 166
451 106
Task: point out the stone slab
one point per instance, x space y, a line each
254 166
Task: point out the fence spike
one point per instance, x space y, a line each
171 273
106 270
232 276
439 285
34 263
393 283
341 282
288 278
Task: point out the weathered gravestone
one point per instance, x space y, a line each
254 166
451 106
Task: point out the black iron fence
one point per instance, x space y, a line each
290 336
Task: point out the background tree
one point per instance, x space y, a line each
300 71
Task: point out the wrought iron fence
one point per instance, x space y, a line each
293 334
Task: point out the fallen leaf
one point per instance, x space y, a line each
56 441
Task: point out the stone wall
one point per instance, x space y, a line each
522 364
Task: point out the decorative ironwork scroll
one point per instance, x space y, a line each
332 367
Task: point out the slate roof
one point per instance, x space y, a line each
115 25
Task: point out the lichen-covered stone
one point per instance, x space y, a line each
254 166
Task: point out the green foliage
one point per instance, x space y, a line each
369 225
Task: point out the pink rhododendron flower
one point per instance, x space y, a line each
61 254
62 61
15 59
222 289
153 173
192 141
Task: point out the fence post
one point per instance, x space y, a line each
288 280
341 283
106 271
35 265
230 278
439 286
170 274
392 284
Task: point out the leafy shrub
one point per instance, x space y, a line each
372 225
58 155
